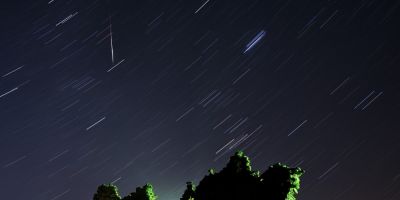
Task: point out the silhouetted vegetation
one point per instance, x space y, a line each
142 193
110 192
107 192
189 192
237 181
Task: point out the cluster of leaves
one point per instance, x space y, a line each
237 181
110 192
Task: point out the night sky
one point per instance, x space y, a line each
159 91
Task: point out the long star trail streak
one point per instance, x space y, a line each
184 114
60 195
255 40
241 76
330 17
238 125
258 128
224 120
194 147
340 85
93 125
14 162
12 71
294 130
363 100
372 100
58 155
116 180
79 171
237 143
327 171
201 6
116 65
6 93
222 148
66 19
57 172
70 105
160 145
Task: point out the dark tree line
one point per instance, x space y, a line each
110 192
237 181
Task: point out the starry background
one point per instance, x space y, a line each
308 83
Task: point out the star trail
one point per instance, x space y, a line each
131 92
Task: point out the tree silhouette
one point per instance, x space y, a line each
107 192
142 193
189 192
281 182
238 164
236 181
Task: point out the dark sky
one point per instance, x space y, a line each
179 86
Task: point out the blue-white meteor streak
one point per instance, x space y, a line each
112 45
255 40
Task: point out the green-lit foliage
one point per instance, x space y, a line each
142 193
107 192
238 163
282 182
189 192
236 181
